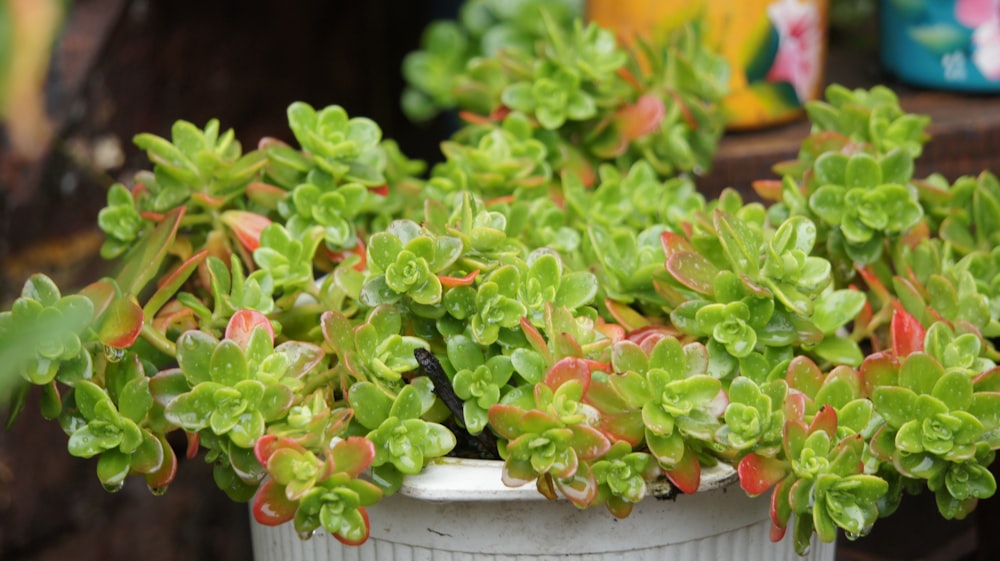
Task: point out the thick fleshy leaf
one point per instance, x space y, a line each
248 428
371 405
781 509
194 355
121 323
740 242
825 421
149 456
758 473
169 284
246 226
135 399
907 333
569 369
437 441
87 396
804 375
686 475
693 271
834 309
168 384
985 406
143 262
192 410
897 405
581 488
877 370
242 325
954 389
839 350
112 468
270 505
227 365
668 450
641 118
920 372
354 528
165 473
337 331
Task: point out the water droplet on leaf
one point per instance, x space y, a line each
113 487
113 354
157 491
304 536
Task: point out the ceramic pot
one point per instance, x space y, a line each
945 44
776 49
458 510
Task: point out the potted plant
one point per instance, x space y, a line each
325 323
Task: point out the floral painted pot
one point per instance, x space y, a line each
946 44
459 510
776 48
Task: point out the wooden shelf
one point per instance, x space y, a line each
965 131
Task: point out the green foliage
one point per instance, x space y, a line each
322 321
587 99
404 442
939 428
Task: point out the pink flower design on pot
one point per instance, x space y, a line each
983 16
800 40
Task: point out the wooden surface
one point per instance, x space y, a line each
965 131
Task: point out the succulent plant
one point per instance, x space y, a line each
322 321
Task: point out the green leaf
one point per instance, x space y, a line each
143 262
227 365
954 389
897 405
839 350
693 271
831 168
408 404
741 243
112 468
192 410
828 203
194 355
833 309
919 373
135 399
121 323
371 406
862 171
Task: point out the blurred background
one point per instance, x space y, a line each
83 77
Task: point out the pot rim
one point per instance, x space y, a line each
466 479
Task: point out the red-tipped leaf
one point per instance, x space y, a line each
451 282
270 505
568 369
243 323
907 333
641 118
686 474
353 455
826 421
246 226
758 473
121 323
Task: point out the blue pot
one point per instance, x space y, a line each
943 44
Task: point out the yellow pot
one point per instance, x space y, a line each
776 49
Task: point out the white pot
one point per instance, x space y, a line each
458 510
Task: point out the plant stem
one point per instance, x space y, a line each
158 340
442 387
